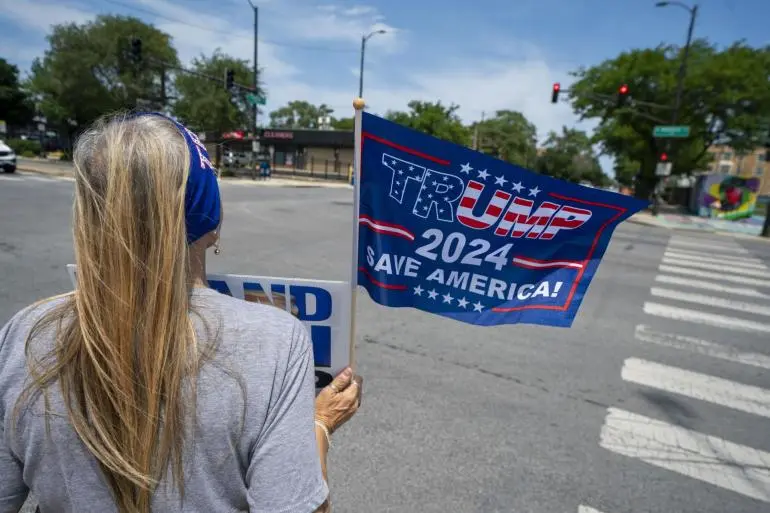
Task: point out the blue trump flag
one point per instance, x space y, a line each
457 233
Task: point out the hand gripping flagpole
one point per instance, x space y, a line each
358 105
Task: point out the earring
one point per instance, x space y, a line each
216 249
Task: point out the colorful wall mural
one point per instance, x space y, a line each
725 196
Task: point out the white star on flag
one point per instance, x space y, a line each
500 180
534 192
447 298
462 303
483 174
418 290
432 293
478 307
466 168
517 187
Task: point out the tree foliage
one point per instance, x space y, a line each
570 156
15 105
626 171
508 136
433 119
299 114
725 95
204 104
87 71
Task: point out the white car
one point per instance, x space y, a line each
7 158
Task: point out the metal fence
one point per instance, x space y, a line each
315 168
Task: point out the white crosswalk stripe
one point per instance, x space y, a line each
722 286
711 286
719 462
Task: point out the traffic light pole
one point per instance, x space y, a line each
679 86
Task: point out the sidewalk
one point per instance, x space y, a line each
56 168
674 221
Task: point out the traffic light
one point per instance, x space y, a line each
229 79
555 94
622 95
136 50
663 157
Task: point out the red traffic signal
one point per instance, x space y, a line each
555 94
622 95
664 157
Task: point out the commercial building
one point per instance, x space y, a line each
323 153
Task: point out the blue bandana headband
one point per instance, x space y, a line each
203 206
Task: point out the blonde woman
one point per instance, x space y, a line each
144 390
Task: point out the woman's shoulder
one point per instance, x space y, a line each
258 328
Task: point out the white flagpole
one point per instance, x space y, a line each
358 105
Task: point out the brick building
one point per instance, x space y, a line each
728 161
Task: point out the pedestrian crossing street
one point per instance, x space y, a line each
717 284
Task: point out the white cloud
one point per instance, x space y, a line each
477 85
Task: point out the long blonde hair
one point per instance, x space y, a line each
125 343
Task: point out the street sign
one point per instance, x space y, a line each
663 169
671 131
256 99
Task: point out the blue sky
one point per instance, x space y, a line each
481 54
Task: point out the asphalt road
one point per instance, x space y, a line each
656 400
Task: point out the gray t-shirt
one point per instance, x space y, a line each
267 464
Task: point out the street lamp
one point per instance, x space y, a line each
364 39
680 77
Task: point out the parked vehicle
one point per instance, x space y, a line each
7 158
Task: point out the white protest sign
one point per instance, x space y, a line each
322 306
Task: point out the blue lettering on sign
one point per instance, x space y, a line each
320 334
220 286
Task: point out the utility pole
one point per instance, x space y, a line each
256 66
364 39
679 81
476 143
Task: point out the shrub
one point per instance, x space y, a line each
27 154
24 147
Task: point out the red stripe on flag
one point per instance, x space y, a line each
410 151
379 283
494 210
467 202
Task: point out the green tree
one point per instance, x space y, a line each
570 156
433 119
508 136
204 104
725 95
87 70
625 170
299 114
15 106
343 123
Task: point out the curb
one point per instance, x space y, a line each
722 233
284 182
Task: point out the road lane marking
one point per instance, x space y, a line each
587 509
707 285
725 267
704 347
753 263
744 280
717 302
720 391
716 461
710 248
709 319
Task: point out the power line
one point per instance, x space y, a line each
229 33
